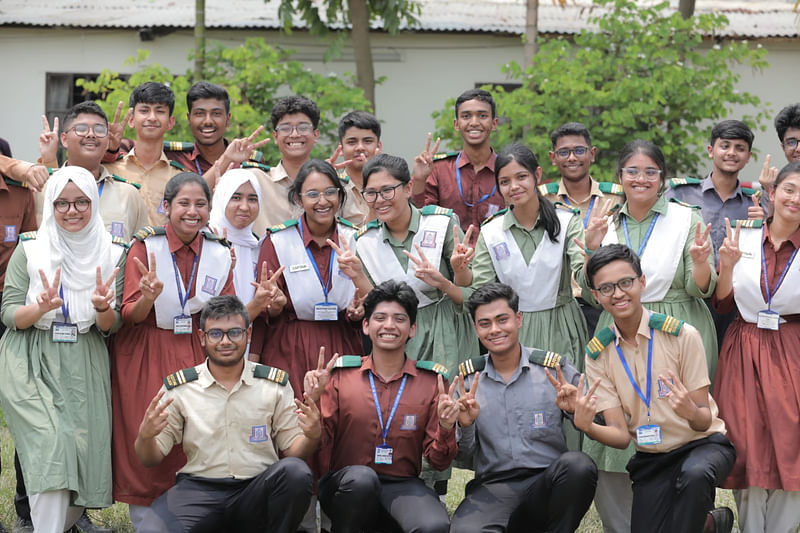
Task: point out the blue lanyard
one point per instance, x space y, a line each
771 293
588 211
385 429
183 298
197 166
326 287
100 188
64 306
646 235
461 192
645 398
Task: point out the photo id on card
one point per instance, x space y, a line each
648 435
182 325
326 311
383 455
769 320
65 332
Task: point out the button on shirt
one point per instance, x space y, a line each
520 425
684 355
234 433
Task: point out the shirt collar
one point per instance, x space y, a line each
279 173
205 379
464 161
707 184
524 362
413 225
308 238
510 220
175 243
644 327
409 367
659 207
794 240
594 191
132 155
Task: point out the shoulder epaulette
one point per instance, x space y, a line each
16 183
178 146
344 178
123 180
345 222
257 156
177 165
754 185
149 231
494 216
470 366
747 191
599 342
545 358
432 366
348 361
678 182
50 170
561 205
665 323
684 204
28 236
549 188
372 224
180 377
283 225
444 155
749 223
436 210
120 241
607 187
211 236
254 164
281 377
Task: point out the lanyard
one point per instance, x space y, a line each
183 298
64 306
588 211
197 166
645 398
461 192
326 287
100 188
771 293
646 235
385 429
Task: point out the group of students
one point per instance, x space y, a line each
357 280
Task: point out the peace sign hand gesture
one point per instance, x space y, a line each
332 159
598 225
349 263
116 128
239 150
425 271
49 299
103 295
566 392
48 142
585 405
462 251
355 309
149 285
469 408
314 381
423 163
679 398
447 406
701 248
268 295
729 253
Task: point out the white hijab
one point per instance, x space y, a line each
245 244
78 254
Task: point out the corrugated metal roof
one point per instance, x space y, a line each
748 19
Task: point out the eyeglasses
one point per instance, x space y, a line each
650 174
314 196
82 130
81 205
579 151
387 193
303 128
791 144
608 289
234 334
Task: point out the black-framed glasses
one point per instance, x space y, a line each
304 128
81 205
579 151
82 130
330 193
791 144
387 193
215 334
607 289
649 173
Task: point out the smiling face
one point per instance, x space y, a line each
729 155
497 326
516 183
389 327
786 199
622 305
638 190
475 122
85 151
295 145
72 220
151 121
394 209
242 208
573 168
208 120
188 212
320 212
226 352
359 146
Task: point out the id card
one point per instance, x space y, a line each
182 325
769 320
65 332
648 435
326 311
491 209
383 455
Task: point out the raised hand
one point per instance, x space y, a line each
349 263
469 408
423 163
36 176
768 174
155 417
48 142
314 381
308 417
116 128
755 211
425 271
700 248
49 299
332 159
447 407
462 251
729 253
268 295
239 150
597 227
585 405
355 309
566 392
103 295
149 285
678 397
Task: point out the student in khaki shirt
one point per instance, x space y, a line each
650 384
232 417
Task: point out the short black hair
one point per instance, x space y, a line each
204 89
176 183
788 117
223 306
290 105
791 168
392 291
491 292
396 166
152 92
83 108
571 128
609 253
315 165
476 94
730 130
361 120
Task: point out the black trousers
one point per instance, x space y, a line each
274 501
357 500
553 499
674 491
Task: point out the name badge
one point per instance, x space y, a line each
648 435
9 234
118 229
428 239
491 209
326 311
769 320
748 255
65 332
383 455
299 268
182 325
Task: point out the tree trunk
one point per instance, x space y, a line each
359 35
199 39
531 31
686 7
